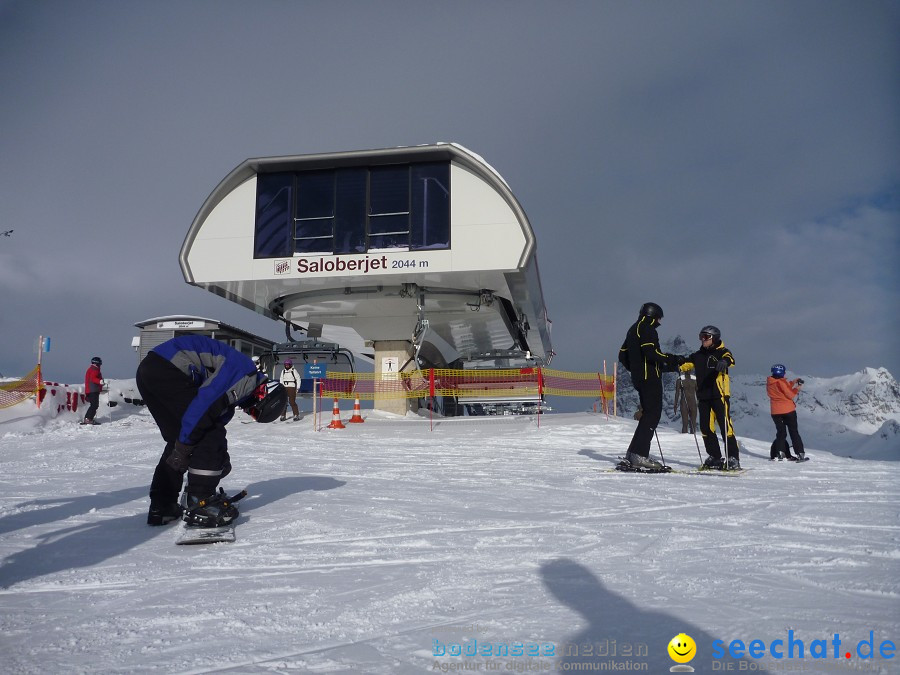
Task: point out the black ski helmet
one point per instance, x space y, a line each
652 310
96 361
711 330
267 402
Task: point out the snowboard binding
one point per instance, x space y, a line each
213 511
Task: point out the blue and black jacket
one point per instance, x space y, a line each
224 378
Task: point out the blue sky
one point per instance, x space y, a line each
736 162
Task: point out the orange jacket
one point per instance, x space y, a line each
781 394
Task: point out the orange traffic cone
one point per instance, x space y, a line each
336 417
357 417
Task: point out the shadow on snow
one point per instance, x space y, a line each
87 544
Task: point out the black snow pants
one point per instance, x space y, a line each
94 403
787 424
713 411
650 393
168 392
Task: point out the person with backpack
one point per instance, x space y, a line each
782 393
291 383
191 385
710 364
642 356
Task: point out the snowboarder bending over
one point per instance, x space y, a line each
711 363
641 355
782 393
191 385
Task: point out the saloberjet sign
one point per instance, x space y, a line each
362 265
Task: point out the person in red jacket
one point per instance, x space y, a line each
782 393
93 383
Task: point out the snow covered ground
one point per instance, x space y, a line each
485 545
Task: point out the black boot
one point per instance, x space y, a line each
161 514
713 463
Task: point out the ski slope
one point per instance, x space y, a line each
484 545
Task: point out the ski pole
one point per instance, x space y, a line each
694 431
725 427
659 446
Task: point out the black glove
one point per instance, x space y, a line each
680 360
721 365
181 457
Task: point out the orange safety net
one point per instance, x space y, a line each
496 384
17 391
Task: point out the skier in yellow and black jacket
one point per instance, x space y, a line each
642 356
710 364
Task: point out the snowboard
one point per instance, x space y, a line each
191 534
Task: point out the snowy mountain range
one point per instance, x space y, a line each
855 415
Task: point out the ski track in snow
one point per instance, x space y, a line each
357 549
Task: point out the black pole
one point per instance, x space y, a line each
659 446
694 431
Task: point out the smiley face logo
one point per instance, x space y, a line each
682 648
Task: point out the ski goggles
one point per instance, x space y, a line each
706 336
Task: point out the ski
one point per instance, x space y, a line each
629 468
702 470
626 467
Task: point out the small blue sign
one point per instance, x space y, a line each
315 371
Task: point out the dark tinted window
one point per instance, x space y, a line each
274 217
389 207
352 210
315 194
430 206
314 224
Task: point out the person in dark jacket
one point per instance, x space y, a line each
642 356
191 384
93 385
710 364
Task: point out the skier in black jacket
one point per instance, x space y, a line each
642 356
711 363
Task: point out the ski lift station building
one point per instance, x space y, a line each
422 252
156 331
